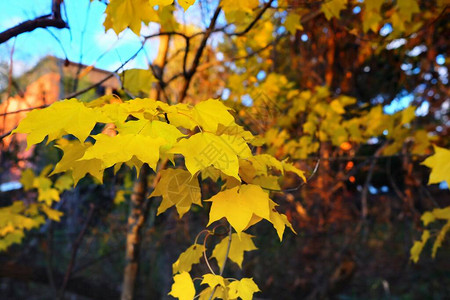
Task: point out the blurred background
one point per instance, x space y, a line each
356 218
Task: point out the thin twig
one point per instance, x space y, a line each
255 20
51 20
230 232
189 74
204 254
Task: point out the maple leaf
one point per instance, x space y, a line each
289 167
73 151
121 14
264 162
374 5
180 115
244 288
278 220
160 2
205 149
63 183
122 147
213 280
245 206
183 287
210 113
439 163
188 258
407 8
27 179
238 246
418 246
48 195
143 108
267 182
220 292
292 23
119 198
238 205
236 130
51 213
177 188
185 4
137 80
60 118
437 213
440 238
155 129
333 8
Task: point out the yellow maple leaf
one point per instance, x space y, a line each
213 280
244 288
292 23
63 183
137 80
406 8
418 246
73 151
48 196
333 8
238 205
180 115
122 147
439 163
278 220
237 248
121 14
160 2
210 113
60 118
239 5
289 167
246 170
220 292
188 258
143 108
408 114
177 188
155 129
205 149
374 5
440 238
267 182
183 287
185 4
51 213
27 179
264 162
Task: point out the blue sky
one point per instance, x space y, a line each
30 47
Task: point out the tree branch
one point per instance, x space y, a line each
52 20
189 74
255 20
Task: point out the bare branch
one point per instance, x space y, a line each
255 20
189 74
52 20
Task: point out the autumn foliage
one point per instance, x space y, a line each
293 118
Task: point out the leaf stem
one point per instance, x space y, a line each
230 232
204 254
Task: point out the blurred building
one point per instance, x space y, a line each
50 80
